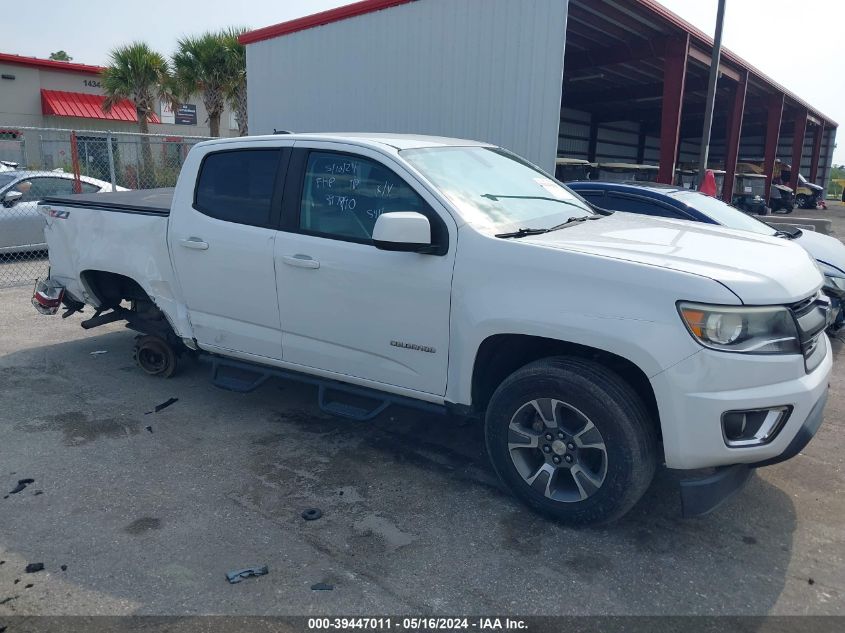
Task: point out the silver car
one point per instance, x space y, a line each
21 225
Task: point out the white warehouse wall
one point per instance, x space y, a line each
489 70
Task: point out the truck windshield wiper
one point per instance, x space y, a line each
525 232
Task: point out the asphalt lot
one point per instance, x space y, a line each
149 521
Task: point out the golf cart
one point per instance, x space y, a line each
749 193
572 169
626 172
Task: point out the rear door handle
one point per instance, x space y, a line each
301 261
195 243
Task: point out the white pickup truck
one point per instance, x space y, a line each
455 276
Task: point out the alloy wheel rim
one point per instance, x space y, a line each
557 450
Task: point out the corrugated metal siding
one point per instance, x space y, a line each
489 70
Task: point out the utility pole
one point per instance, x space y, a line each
711 93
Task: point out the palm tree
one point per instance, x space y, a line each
138 73
236 77
200 65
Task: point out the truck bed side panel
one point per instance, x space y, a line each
126 243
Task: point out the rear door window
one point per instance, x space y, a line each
238 185
641 205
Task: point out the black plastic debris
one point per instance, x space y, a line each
63 567
34 567
235 577
28 586
322 586
38 492
149 428
163 405
22 483
312 514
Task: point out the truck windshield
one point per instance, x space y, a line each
495 190
722 213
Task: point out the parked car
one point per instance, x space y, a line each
455 277
7 165
21 226
681 204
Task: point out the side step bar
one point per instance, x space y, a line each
334 397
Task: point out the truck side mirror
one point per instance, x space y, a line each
11 197
407 231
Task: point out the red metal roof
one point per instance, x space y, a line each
50 64
319 19
88 106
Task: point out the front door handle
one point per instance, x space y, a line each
195 243
301 261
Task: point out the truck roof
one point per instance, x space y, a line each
396 141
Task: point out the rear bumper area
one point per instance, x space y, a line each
700 496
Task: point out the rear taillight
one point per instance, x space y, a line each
47 296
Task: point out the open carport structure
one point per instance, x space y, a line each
603 80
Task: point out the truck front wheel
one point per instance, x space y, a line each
572 440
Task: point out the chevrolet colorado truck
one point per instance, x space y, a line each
456 277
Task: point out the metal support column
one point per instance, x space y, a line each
593 140
774 114
818 132
733 136
674 76
707 128
798 132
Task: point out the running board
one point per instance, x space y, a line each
334 397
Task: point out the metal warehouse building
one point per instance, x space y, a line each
601 80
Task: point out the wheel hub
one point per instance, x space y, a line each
558 447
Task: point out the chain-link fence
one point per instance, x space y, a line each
40 162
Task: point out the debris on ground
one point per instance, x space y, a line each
236 576
22 483
34 567
312 514
4 601
99 351
810 581
38 492
149 428
322 586
163 405
28 586
63 567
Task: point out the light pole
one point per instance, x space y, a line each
711 93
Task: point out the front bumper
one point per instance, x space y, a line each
703 495
693 395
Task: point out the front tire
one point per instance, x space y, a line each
803 201
572 440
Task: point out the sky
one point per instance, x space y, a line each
795 43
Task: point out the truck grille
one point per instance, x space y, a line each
812 316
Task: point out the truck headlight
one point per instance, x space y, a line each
834 285
751 330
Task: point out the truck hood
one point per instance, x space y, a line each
759 269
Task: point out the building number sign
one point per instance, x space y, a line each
92 83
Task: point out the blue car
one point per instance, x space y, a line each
669 201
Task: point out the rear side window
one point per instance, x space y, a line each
237 186
643 206
343 196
